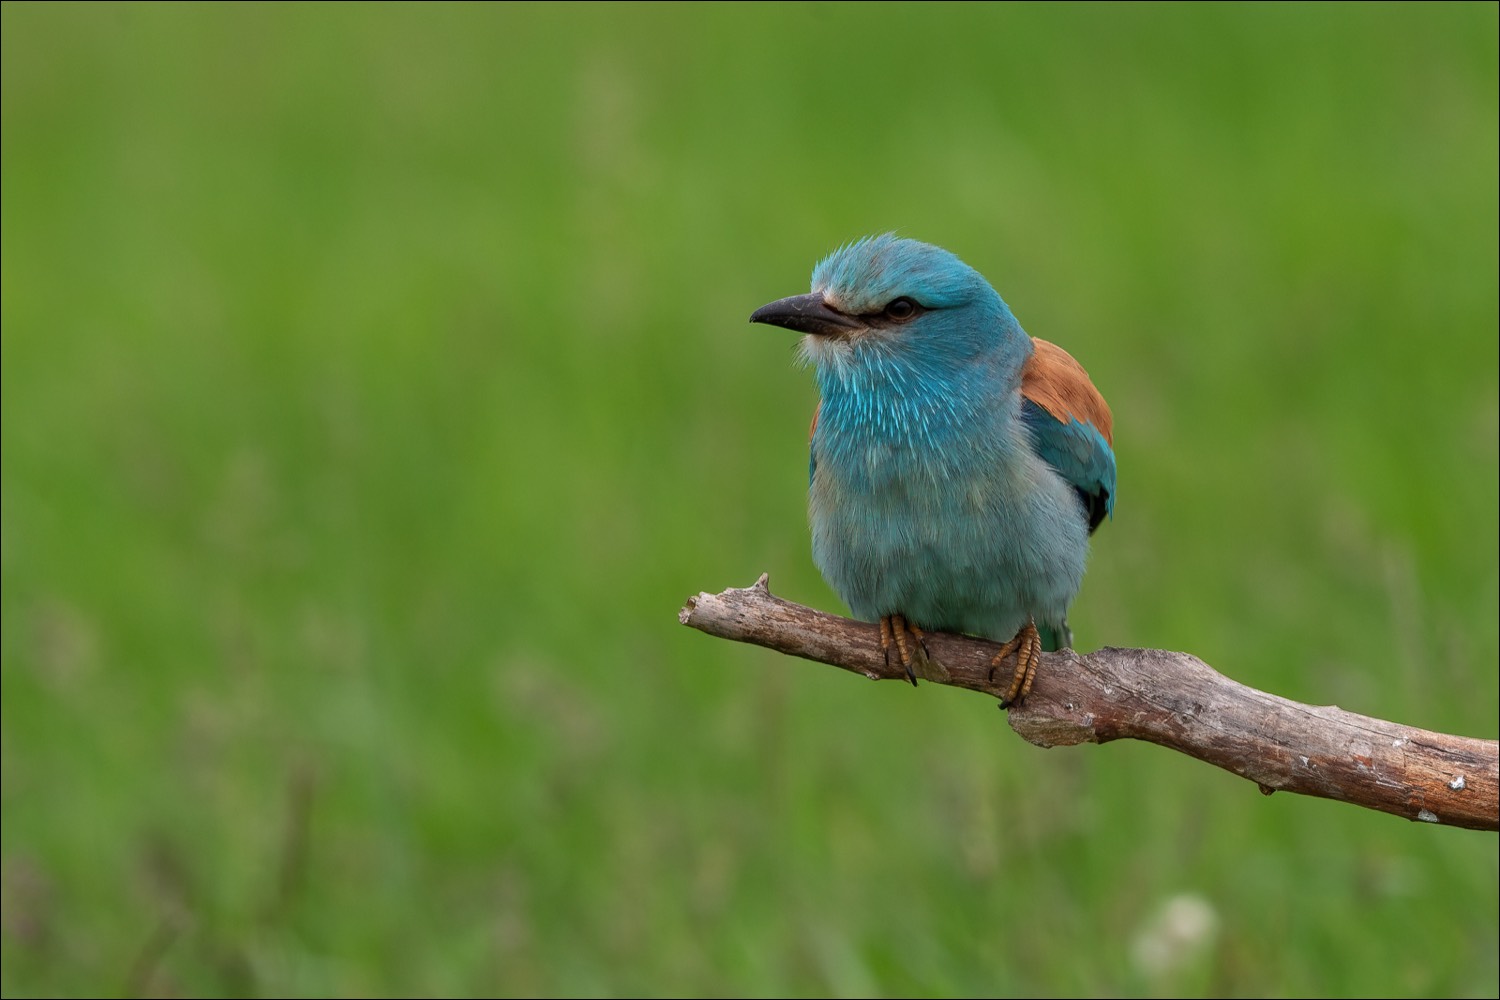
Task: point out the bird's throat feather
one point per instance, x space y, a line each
884 419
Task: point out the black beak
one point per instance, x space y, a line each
806 314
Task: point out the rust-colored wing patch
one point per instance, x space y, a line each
1058 384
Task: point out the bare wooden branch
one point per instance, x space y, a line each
1171 699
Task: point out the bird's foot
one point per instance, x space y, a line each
908 642
1027 647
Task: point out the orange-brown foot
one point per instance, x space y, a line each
908 642
1027 647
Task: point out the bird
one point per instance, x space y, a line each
957 466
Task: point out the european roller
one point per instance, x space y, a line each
958 465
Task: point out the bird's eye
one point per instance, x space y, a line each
901 309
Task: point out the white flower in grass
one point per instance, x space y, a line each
1182 930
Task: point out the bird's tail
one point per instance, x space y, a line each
1055 637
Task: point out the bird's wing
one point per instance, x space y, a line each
1071 427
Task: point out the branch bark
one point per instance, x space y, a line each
1170 699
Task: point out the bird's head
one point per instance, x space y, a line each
884 298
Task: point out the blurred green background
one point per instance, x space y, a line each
377 386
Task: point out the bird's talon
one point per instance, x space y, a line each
910 645
885 639
1027 647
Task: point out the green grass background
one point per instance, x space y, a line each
377 386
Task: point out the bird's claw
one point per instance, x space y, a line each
1027 647
910 646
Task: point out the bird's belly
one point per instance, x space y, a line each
974 554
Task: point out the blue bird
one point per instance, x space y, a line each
958 466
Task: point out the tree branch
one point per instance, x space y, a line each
1171 699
